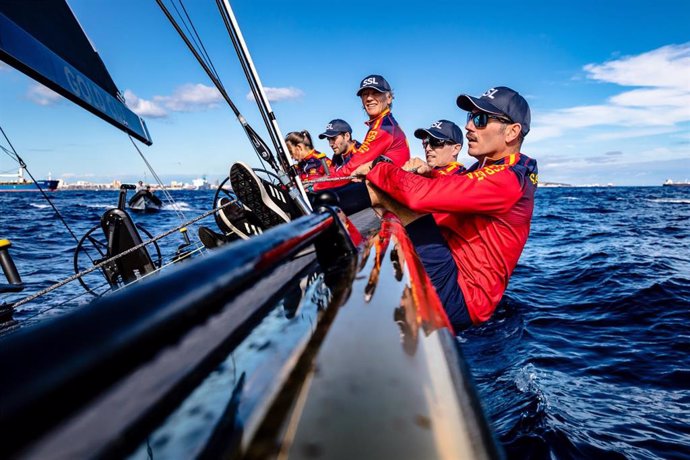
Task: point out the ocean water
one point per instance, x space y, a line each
587 355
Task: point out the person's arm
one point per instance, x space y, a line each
377 142
492 190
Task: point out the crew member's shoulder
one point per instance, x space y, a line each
525 168
388 122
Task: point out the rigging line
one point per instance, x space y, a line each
201 62
344 178
201 43
122 254
195 37
168 197
247 73
289 177
258 144
9 153
22 164
41 312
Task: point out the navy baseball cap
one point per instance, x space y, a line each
443 130
376 82
500 100
335 127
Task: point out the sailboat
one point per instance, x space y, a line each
301 342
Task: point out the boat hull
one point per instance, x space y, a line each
145 202
46 185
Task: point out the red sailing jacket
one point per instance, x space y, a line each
484 214
314 165
451 168
385 137
341 160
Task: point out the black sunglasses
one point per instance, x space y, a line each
481 119
434 143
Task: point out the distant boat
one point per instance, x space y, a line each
144 201
670 183
201 184
20 184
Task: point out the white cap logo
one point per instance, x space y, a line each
490 93
369 81
437 125
329 126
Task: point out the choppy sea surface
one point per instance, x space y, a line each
586 357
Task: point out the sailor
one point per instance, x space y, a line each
469 229
339 135
272 205
384 137
311 164
442 142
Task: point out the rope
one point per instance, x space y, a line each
338 179
329 179
122 254
82 294
22 164
168 197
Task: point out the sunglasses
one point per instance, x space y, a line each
481 119
434 143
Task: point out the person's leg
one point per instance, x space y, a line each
269 203
434 253
234 220
439 264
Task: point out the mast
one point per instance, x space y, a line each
288 176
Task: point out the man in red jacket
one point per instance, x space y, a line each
339 135
442 142
469 229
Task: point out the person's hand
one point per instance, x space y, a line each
418 166
413 164
361 172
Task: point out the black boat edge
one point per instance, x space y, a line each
76 368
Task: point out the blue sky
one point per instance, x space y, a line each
608 83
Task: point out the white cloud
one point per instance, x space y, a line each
186 98
143 107
190 98
279 94
663 101
42 95
70 175
665 67
631 134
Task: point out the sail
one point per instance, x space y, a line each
44 40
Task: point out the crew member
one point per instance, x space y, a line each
311 164
469 229
442 143
385 137
339 135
